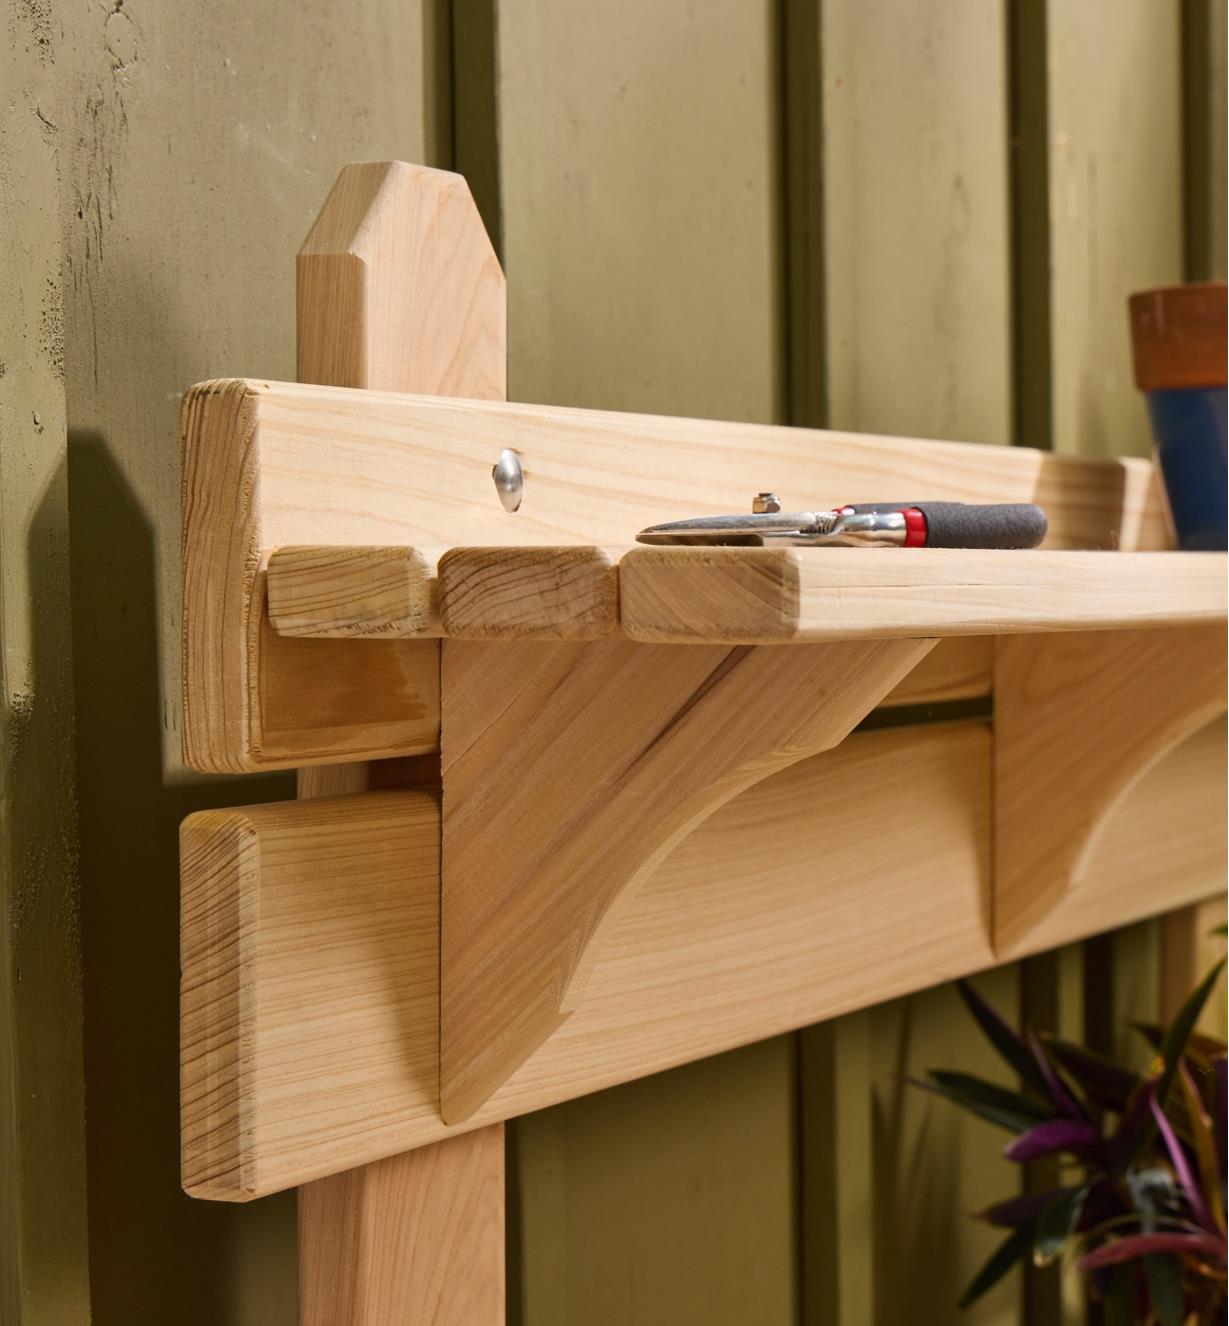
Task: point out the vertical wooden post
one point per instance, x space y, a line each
399 290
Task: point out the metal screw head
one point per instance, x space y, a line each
509 479
765 503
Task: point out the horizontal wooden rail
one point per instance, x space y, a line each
311 932
273 465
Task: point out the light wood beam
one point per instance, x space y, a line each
397 290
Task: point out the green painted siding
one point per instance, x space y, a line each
919 216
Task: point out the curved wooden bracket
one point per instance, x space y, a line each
1078 720
569 771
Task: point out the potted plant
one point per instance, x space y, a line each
1141 1200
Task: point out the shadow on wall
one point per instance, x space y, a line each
155 1254
42 1170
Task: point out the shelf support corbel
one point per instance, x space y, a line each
569 772
1079 718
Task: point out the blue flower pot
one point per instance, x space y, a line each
1188 426
1178 336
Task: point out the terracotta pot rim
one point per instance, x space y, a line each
1178 335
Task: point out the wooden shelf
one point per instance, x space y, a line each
766 595
733 595
639 831
270 466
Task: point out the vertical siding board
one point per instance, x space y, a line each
915 106
664 1201
639 183
802 134
933 1165
43 1252
1203 134
196 145
910 166
630 167
1052 999
1030 218
836 1204
1116 206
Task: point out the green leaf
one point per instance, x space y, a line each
1056 1224
1120 1305
1006 1041
1163 1272
1198 1046
1013 1120
1174 1042
990 1093
1013 1248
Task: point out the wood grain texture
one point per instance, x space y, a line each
957 669
594 477
331 994
515 593
241 875
415 297
1162 845
590 478
415 1238
328 592
732 595
1078 719
332 990
400 259
351 1037
569 773
767 595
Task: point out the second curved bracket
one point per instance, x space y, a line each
569 771
1078 719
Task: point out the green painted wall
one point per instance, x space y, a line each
892 215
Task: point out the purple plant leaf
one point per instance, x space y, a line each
1140 1245
1064 1101
1021 1210
1053 1135
1182 1167
1005 1039
1102 1080
1220 1112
